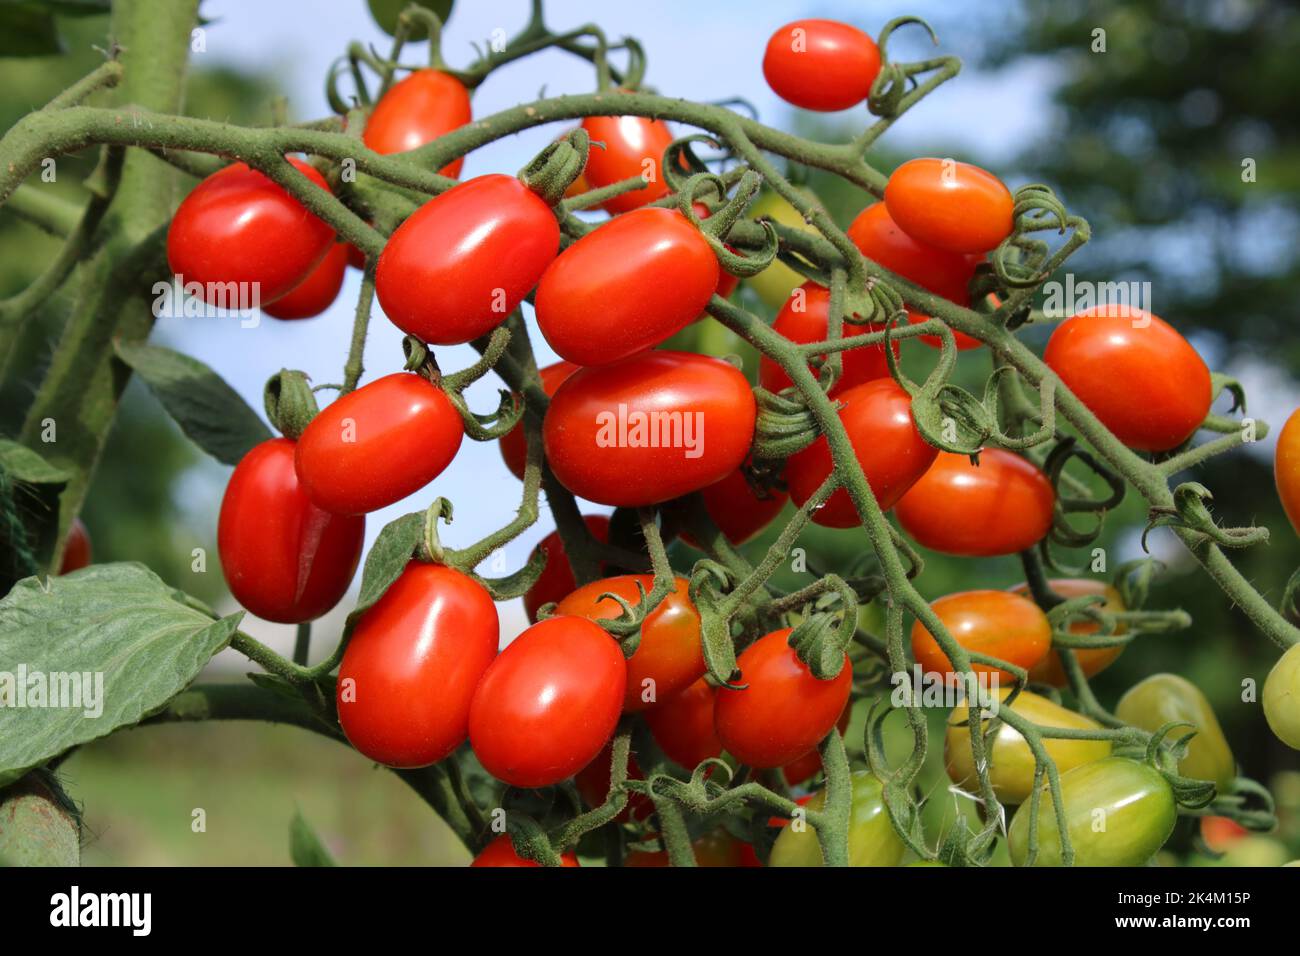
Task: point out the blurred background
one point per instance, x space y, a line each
1145 140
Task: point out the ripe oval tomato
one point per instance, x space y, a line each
1093 660
76 550
1282 698
669 657
634 146
1286 468
784 711
1140 378
649 428
944 273
715 848
878 418
1011 763
802 319
375 446
316 293
737 509
501 852
417 110
998 623
821 65
410 669
556 580
682 725
457 268
594 304
1000 506
810 764
950 205
872 839
284 558
514 446
1132 798
593 780
1163 698
548 703
238 226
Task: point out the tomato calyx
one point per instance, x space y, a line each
1164 756
785 424
821 640
489 427
552 171
290 402
714 229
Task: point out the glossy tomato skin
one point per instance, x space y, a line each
593 782
375 446
284 558
514 445
1011 763
461 263
872 838
682 725
998 623
239 226
1137 804
601 423
1001 506
950 205
944 273
410 669
316 293
594 303
634 146
810 764
501 852
670 656
1282 698
1093 660
548 703
738 510
417 110
76 550
1286 468
784 711
556 582
1140 378
877 416
804 318
1166 698
822 65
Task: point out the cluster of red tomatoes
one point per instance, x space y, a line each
422 672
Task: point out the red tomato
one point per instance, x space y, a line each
1002 506
878 418
593 781
556 580
1286 468
810 764
821 65
669 657
950 205
76 550
501 852
784 711
998 623
237 226
1140 378
736 508
715 848
726 281
410 669
1219 833
649 428
356 258
683 725
548 703
802 319
594 304
284 559
457 268
634 146
417 110
947 274
1093 660
375 446
514 446
316 293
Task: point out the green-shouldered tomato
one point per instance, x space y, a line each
872 838
1167 698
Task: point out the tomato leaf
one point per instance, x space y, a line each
387 559
31 486
91 652
209 411
305 847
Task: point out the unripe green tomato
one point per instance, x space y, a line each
1255 850
1164 698
1118 812
1282 698
775 283
872 840
386 12
1011 763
